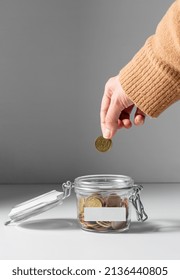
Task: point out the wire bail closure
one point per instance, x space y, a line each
136 201
67 187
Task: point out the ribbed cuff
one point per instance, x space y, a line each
151 84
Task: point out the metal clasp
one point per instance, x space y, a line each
136 201
67 187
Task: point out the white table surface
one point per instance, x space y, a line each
56 234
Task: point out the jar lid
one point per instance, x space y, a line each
39 204
35 206
103 182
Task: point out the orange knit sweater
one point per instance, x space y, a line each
152 78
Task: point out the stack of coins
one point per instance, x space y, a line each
97 200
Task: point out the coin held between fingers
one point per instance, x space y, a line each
102 144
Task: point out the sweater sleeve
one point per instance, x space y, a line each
152 78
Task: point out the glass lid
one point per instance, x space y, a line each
35 206
39 204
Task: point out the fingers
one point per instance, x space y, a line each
111 108
125 117
139 117
106 100
111 118
114 101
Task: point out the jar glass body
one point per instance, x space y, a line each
103 202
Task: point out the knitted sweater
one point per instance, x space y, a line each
152 78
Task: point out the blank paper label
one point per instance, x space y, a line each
104 214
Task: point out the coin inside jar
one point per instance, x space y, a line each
118 225
113 200
81 204
104 224
98 200
94 201
102 144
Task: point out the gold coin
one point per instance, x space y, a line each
90 224
104 224
81 204
100 197
93 201
102 144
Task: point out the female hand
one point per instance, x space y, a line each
116 108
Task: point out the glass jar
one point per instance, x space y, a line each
103 203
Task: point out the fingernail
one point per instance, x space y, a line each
107 133
139 120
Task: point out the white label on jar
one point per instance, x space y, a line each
104 214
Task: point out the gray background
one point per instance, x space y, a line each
55 57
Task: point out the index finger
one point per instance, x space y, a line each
113 113
105 103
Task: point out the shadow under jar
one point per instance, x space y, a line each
104 202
